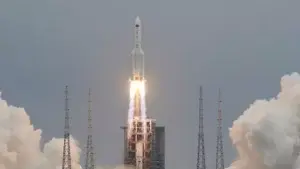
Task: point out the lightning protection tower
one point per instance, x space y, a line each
66 161
201 149
219 153
89 160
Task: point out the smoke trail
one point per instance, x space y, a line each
143 99
20 143
130 116
143 107
267 135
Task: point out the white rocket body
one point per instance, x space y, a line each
137 52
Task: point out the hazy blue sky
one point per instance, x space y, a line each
244 47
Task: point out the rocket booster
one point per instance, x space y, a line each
137 52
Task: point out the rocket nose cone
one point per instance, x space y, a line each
137 20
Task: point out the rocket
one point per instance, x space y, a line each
137 52
139 126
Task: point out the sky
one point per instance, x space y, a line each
242 47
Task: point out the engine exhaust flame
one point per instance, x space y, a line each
136 89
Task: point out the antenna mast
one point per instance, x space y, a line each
201 149
66 162
89 161
219 154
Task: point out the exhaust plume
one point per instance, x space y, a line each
20 143
267 135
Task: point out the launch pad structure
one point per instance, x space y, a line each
139 135
155 156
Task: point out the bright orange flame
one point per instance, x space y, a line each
137 86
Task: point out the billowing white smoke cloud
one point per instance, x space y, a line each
20 143
267 135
